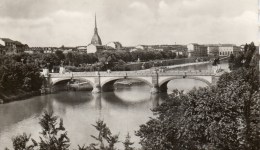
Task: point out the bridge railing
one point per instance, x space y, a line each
189 72
132 73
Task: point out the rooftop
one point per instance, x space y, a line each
6 40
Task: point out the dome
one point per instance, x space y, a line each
115 45
96 39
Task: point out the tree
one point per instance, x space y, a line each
127 143
54 137
104 135
120 66
242 59
217 117
20 142
161 133
60 55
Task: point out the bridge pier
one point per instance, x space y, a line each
97 86
154 100
96 89
214 80
155 86
155 89
46 84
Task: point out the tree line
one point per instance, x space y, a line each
113 60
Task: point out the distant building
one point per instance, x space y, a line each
96 40
43 49
129 48
227 49
213 50
196 50
141 47
177 49
115 45
82 49
9 46
98 48
66 49
2 49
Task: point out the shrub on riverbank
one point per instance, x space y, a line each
17 95
17 78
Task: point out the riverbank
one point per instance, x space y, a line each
178 66
187 64
10 96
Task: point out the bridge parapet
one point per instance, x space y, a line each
188 73
132 73
73 74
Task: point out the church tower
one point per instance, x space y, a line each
96 39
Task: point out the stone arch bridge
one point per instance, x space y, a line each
104 81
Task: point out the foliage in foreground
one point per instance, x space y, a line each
224 117
54 137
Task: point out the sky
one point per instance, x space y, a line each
131 22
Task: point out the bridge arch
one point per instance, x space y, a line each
163 84
53 82
108 85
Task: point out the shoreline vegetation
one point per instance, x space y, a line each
7 97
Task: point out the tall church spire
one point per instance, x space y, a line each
95 21
96 39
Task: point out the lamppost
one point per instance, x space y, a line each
48 66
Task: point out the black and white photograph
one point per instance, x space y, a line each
129 75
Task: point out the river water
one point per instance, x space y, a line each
124 110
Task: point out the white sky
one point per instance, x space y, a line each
131 22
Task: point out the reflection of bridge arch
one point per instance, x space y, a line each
108 85
163 84
77 78
119 101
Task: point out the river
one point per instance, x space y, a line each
124 110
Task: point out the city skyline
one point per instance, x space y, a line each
71 23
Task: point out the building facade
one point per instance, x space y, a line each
228 49
213 50
9 46
196 50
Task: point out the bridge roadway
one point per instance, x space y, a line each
157 80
